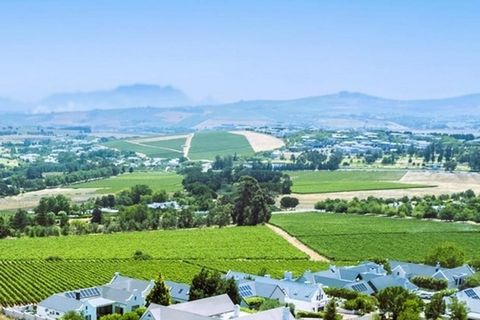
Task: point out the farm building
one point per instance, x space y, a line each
471 298
305 296
217 307
120 295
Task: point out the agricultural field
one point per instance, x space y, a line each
161 148
156 180
26 276
207 145
355 238
305 182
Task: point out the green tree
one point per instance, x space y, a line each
72 315
411 310
436 308
289 202
250 204
458 310
208 284
160 294
447 254
331 311
20 220
96 215
393 300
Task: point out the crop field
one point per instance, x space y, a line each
171 148
156 180
206 145
337 181
25 275
354 238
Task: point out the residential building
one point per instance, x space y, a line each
120 295
471 298
305 296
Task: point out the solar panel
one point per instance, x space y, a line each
359 287
245 291
472 294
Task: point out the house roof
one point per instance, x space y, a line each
115 294
61 303
380 283
158 312
416 269
129 284
207 307
273 314
178 291
294 290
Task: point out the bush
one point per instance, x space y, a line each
308 314
53 259
341 293
289 202
139 255
448 255
363 304
472 282
430 283
254 302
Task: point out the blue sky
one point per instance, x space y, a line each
231 50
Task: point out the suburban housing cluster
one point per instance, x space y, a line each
123 294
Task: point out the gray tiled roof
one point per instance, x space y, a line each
207 307
273 314
129 284
295 290
391 281
178 291
159 312
61 303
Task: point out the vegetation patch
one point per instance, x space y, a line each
355 238
170 149
156 180
207 145
338 181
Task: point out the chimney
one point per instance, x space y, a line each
437 267
236 311
77 295
286 313
288 275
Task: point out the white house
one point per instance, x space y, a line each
471 298
120 295
305 296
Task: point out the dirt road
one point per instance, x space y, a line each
314 256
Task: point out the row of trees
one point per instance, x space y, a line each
464 206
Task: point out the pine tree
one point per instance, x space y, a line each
160 294
331 311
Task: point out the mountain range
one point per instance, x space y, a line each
154 108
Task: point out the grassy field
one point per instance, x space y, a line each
338 181
156 180
353 237
25 275
156 149
206 145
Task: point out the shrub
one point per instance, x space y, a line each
430 283
139 255
309 314
342 293
53 258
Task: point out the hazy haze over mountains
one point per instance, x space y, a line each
153 107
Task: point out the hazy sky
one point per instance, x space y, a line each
232 50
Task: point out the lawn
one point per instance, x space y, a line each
207 145
354 238
25 275
156 180
338 181
155 149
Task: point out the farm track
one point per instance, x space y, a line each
313 255
188 144
154 147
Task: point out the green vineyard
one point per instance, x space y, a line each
30 281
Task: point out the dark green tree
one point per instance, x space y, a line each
250 204
331 311
447 254
160 294
436 308
393 300
458 310
20 220
208 284
96 215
